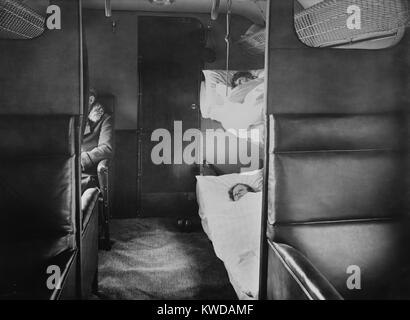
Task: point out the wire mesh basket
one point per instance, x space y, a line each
18 21
325 24
254 40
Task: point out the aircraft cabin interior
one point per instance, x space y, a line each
204 149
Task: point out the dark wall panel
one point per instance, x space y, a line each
304 76
125 179
42 76
113 61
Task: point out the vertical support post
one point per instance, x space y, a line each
78 140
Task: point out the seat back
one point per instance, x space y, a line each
338 172
108 102
105 172
37 195
339 198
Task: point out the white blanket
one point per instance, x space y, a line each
242 108
233 227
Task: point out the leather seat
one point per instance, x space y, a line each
105 174
340 198
37 197
89 241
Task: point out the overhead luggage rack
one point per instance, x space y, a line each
325 24
254 40
19 21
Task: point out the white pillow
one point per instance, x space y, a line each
213 191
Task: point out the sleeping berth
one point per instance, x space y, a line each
238 108
233 227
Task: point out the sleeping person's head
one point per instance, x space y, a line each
241 77
238 191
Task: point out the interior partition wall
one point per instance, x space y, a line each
338 136
44 78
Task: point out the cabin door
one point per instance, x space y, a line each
169 81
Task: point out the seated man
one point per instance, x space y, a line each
97 141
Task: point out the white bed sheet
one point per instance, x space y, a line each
237 115
233 228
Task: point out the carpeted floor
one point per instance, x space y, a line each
151 259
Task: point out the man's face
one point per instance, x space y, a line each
91 100
239 191
242 80
96 113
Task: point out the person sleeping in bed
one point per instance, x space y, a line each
240 189
247 90
241 77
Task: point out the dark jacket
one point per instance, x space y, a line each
97 143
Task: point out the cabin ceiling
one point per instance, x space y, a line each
255 10
39 6
308 3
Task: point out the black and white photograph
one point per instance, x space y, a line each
204 156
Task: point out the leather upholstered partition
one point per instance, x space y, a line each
338 176
37 197
41 101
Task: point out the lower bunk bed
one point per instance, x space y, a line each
233 227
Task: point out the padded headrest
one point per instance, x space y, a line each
336 185
36 136
108 102
339 132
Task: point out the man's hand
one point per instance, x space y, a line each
85 161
